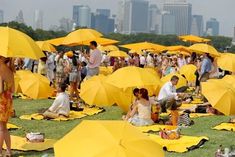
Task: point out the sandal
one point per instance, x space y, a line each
8 154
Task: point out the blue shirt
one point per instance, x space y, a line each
206 66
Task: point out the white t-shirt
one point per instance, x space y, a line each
167 90
61 104
142 60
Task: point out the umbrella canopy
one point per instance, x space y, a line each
221 95
103 41
20 75
36 86
132 77
193 38
80 37
182 81
178 52
45 46
204 48
106 70
227 62
106 139
178 48
95 91
56 41
108 48
230 79
145 46
139 52
117 54
189 72
17 44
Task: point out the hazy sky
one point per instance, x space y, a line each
53 10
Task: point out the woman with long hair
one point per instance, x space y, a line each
6 101
141 112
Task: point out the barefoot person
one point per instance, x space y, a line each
6 109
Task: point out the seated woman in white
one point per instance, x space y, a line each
141 113
60 106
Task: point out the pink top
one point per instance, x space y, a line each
95 59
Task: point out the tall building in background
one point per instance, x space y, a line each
183 15
82 16
197 25
38 19
105 12
153 19
66 24
20 17
168 23
135 16
233 42
120 16
212 27
1 16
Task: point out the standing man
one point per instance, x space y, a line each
94 60
205 68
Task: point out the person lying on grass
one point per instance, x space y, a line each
60 106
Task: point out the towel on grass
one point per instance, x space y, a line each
12 126
225 126
155 128
181 145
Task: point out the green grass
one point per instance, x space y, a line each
56 130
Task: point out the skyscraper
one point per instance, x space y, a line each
120 16
38 19
233 42
20 17
136 16
66 24
1 16
197 25
183 15
153 19
168 23
212 27
105 12
82 16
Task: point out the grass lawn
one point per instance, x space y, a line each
56 130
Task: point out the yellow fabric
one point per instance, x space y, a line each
17 86
108 48
106 70
229 79
197 101
156 127
182 81
145 46
180 145
139 52
179 48
189 72
204 48
117 54
106 139
45 46
102 41
197 115
96 91
17 44
12 126
225 126
184 53
186 106
193 38
221 95
227 62
72 115
20 143
80 37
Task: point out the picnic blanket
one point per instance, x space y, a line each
155 128
20 143
192 115
181 145
72 115
12 126
225 126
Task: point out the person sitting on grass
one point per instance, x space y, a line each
174 116
60 106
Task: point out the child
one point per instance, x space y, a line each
184 119
174 115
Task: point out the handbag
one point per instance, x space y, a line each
35 137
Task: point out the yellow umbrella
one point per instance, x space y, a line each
20 75
178 48
229 79
227 62
56 41
139 52
220 95
95 91
102 41
117 54
144 46
14 43
204 48
189 72
193 38
17 86
45 46
36 86
106 70
182 81
178 52
108 48
107 139
80 37
132 77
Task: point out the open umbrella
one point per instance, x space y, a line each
182 81
117 54
221 95
102 41
193 38
95 91
56 41
81 36
189 72
204 48
227 61
45 46
106 139
14 43
108 48
144 46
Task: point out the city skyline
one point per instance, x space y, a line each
52 14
